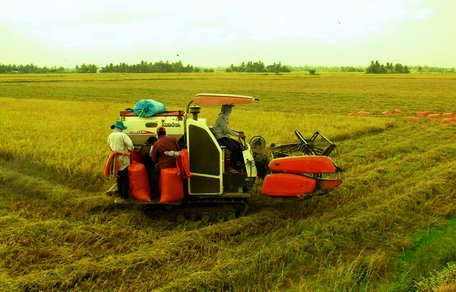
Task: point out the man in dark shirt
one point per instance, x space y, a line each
157 154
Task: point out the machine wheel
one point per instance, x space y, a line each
180 218
220 217
193 216
230 216
205 218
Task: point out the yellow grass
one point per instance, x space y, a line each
59 231
70 136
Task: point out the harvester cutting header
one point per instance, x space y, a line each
206 183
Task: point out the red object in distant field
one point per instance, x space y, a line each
422 114
364 113
434 116
397 111
449 115
387 113
449 120
412 119
353 113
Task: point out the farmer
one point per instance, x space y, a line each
222 133
161 161
122 144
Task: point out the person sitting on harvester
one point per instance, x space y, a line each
222 133
122 144
161 161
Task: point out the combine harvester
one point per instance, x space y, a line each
202 189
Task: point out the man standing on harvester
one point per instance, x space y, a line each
161 161
122 145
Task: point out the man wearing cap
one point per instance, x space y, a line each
122 144
222 133
157 154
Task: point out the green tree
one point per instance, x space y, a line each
87 68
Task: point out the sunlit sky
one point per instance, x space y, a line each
215 33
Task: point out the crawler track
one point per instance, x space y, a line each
205 210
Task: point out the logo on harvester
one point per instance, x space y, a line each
140 132
173 124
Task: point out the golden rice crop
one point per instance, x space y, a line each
69 137
59 231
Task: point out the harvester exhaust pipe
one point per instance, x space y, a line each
195 110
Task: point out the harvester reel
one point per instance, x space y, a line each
257 143
261 155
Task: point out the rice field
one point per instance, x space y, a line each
389 227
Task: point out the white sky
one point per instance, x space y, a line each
224 32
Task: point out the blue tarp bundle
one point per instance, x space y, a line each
148 108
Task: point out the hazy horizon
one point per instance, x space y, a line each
214 34
303 66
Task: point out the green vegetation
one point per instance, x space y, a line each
389 227
258 67
142 67
146 67
87 68
433 249
29 68
377 68
443 280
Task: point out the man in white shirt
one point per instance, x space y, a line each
122 144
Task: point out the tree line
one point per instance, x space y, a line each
377 68
142 67
327 68
166 67
29 68
258 67
149 67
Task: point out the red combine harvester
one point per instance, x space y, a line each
206 191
